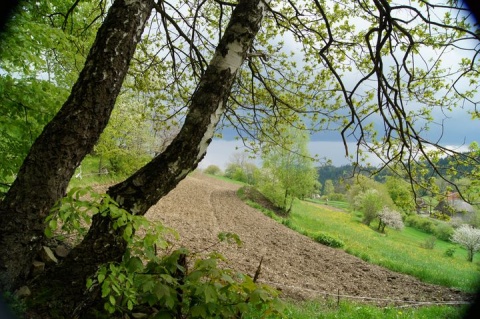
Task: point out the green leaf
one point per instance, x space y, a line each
210 294
89 283
127 233
199 311
48 232
134 264
112 300
147 285
52 224
109 307
105 290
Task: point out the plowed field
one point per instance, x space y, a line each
202 206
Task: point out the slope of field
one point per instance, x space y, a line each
201 207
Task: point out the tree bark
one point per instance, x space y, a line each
64 142
153 181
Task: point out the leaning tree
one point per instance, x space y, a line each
339 65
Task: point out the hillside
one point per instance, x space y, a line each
201 207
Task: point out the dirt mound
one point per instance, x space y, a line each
201 207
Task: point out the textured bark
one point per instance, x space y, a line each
143 189
65 141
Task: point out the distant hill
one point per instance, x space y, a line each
339 173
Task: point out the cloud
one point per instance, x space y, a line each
220 151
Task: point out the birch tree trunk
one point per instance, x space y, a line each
72 133
143 189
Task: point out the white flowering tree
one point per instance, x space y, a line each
390 218
468 237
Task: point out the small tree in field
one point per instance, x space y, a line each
329 188
468 237
288 168
390 218
369 203
213 170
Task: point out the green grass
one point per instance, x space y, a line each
88 171
333 203
400 251
326 309
331 308
226 179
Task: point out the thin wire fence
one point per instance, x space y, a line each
403 303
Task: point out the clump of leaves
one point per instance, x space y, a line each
328 240
449 252
429 242
153 280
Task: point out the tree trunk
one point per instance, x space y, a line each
471 252
72 133
153 181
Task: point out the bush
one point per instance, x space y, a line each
337 197
429 243
440 216
126 163
421 223
443 231
212 170
164 286
449 252
328 240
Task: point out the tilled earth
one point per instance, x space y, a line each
201 207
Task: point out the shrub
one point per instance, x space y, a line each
164 286
328 240
443 231
427 225
212 170
440 216
127 163
429 243
235 172
421 223
449 252
337 197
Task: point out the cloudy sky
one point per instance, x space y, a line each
455 129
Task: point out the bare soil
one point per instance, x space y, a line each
202 206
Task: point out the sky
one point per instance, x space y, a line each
454 129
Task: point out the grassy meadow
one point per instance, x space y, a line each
401 251
347 310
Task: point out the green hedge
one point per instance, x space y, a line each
328 240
